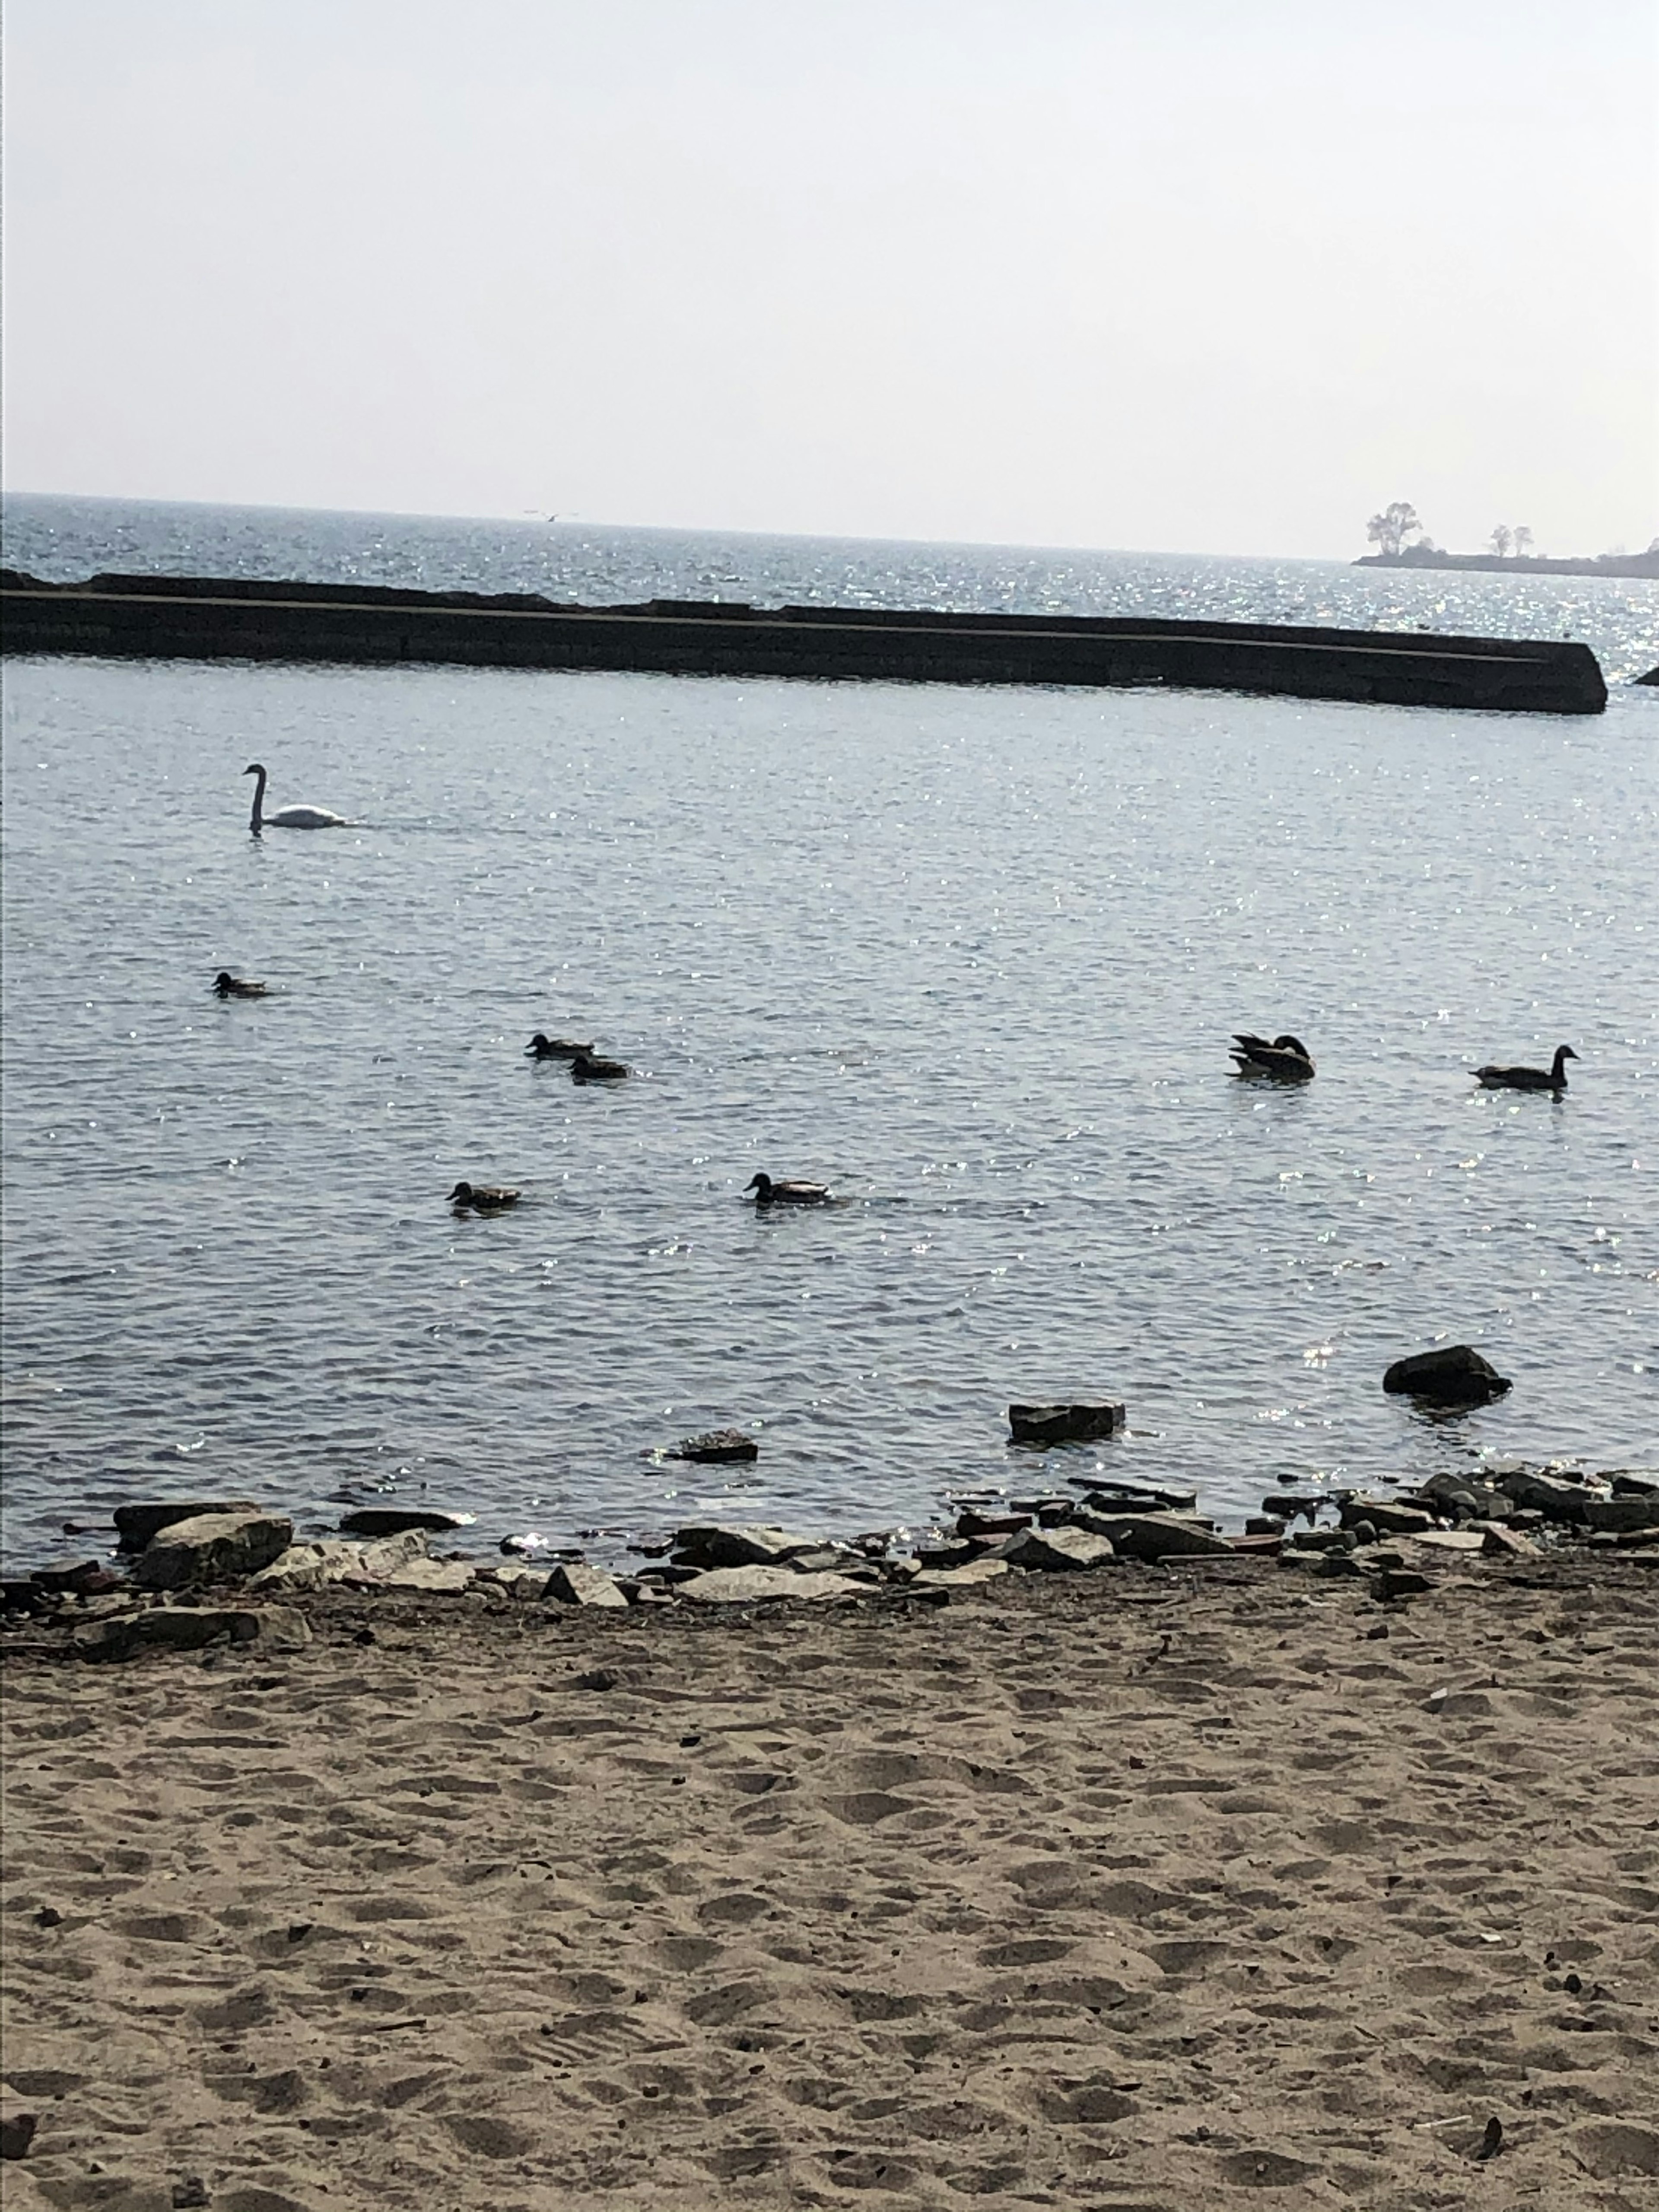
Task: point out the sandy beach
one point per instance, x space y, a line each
1155 1891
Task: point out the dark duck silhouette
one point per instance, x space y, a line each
767 1192
1286 1059
238 987
483 1197
1552 1077
547 1048
584 1069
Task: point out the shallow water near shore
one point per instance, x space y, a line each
973 957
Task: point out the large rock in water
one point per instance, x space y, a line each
1453 1375
1076 1423
214 1548
717 1448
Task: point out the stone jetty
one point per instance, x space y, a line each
208 618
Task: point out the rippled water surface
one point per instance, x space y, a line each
972 957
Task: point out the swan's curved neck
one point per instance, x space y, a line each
259 802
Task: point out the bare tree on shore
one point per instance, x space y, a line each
1522 541
1502 538
1398 521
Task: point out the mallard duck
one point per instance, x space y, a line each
238 987
288 818
584 1069
547 1048
1552 1077
1286 1059
767 1192
484 1197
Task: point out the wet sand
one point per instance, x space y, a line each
1148 1890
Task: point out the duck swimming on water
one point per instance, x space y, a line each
584 1069
547 1048
767 1192
239 987
1286 1059
1552 1077
483 1197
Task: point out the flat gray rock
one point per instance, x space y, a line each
718 1544
1112 1496
441 1577
1153 1535
1386 1516
137 1524
1499 1542
214 1548
1052 1551
570 1584
1551 1495
751 1585
337 1559
968 1577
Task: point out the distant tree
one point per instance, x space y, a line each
1502 538
1388 531
1522 540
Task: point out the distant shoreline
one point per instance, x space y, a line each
1522 564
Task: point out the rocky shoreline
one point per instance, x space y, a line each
191 1572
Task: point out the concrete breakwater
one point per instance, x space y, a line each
173 617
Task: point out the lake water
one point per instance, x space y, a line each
972 957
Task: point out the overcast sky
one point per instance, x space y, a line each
1217 276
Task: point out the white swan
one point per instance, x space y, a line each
288 818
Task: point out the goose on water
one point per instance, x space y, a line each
547 1048
288 818
238 987
1552 1077
484 1197
767 1192
1286 1059
584 1069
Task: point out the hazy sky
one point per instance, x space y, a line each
1201 275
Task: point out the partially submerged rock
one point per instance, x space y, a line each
716 1448
720 1545
1077 1423
1154 1536
1452 1375
395 1520
1116 1496
213 1547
